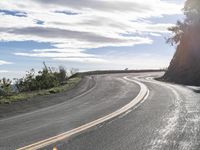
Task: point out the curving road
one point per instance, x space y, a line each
167 119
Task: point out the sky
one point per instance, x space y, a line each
86 34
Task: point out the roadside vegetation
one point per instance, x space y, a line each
46 81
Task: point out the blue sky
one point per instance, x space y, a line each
85 34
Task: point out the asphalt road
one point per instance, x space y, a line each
167 119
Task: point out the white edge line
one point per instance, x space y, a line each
143 94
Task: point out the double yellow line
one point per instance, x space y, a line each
143 94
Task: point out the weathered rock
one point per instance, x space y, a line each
185 65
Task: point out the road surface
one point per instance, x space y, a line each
167 119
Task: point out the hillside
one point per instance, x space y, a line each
185 65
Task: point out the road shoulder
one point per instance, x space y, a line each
39 102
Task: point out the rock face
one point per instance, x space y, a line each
185 65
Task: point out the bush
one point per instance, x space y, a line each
61 76
45 79
5 87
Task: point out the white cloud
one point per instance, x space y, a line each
83 60
53 55
97 17
70 55
2 62
96 23
59 50
4 71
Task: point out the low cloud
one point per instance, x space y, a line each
92 60
2 62
4 71
69 55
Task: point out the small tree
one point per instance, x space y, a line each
30 82
192 21
5 85
27 83
19 84
46 78
61 75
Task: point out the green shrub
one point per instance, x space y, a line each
5 87
45 79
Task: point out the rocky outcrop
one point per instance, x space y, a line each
185 65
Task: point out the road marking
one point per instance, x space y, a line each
143 94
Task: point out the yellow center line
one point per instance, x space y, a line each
142 95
